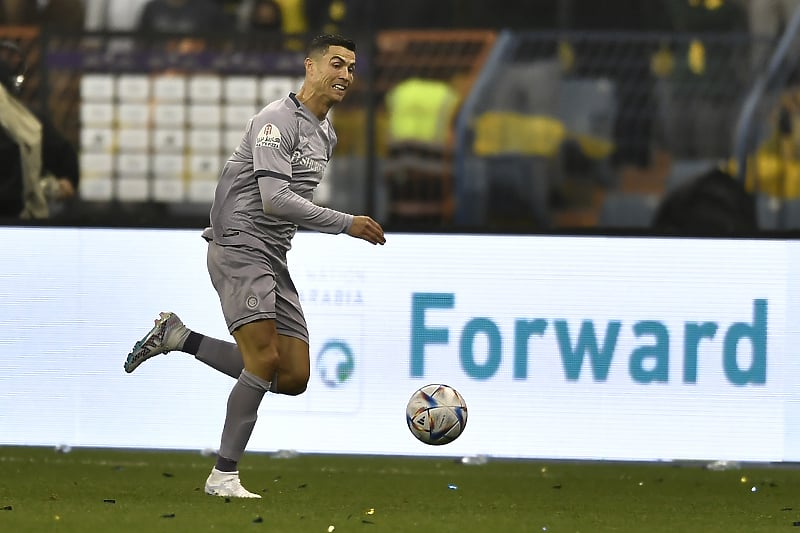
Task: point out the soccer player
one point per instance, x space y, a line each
263 195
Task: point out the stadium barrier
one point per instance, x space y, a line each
563 347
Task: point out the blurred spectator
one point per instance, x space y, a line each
64 15
229 7
265 17
773 166
414 14
353 16
194 20
293 16
328 16
190 17
113 15
629 69
713 203
418 167
61 14
766 20
18 12
293 20
349 16
512 14
702 96
422 111
37 164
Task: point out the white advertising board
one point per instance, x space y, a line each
563 347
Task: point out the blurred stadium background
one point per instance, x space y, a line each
542 118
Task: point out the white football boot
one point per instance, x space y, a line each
168 334
227 484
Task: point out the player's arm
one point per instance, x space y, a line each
273 137
280 201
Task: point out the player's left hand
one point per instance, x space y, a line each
363 227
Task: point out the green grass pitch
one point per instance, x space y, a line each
101 490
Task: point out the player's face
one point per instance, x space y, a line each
334 72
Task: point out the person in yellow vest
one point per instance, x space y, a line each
294 17
420 138
773 168
421 110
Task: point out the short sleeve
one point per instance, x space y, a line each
273 138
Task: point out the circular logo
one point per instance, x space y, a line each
336 363
252 302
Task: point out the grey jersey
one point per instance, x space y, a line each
266 187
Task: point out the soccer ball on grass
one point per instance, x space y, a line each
436 414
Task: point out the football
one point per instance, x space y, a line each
436 414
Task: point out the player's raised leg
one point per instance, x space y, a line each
167 335
170 334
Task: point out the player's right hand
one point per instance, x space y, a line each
363 227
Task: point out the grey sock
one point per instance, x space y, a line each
242 413
219 355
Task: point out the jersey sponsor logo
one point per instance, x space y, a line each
269 136
308 163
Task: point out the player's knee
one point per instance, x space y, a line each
293 384
298 387
295 390
264 360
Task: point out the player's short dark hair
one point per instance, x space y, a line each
321 43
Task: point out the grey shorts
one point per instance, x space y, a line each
252 286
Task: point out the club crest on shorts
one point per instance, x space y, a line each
269 136
252 302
